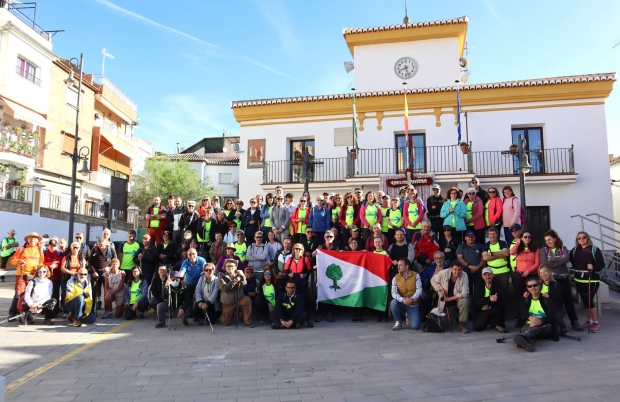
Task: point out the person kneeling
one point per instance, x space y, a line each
38 297
208 296
290 309
490 302
538 313
136 295
231 294
173 299
79 300
453 289
406 291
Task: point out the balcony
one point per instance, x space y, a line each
87 208
17 146
15 10
107 83
27 75
447 163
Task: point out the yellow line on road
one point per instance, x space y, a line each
34 373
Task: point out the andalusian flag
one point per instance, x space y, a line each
352 279
406 116
354 121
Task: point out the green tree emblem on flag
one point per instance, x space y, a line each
334 273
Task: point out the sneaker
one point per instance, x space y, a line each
65 315
397 326
185 323
588 324
501 330
48 322
70 317
463 326
107 315
296 326
329 317
576 326
160 325
77 323
201 322
595 328
249 325
310 324
275 325
522 342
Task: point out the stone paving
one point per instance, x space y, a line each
339 361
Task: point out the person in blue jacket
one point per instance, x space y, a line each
454 211
319 217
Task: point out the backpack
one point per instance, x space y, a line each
433 324
522 211
21 302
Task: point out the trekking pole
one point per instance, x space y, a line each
20 315
449 319
236 307
588 313
169 305
209 319
504 338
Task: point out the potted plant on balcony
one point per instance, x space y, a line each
353 152
513 148
18 131
298 156
464 147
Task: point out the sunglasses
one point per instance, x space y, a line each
258 237
240 235
289 288
42 271
492 192
582 238
78 237
527 237
82 274
309 232
471 193
75 248
267 273
299 249
329 237
474 182
252 202
532 286
350 197
208 270
190 206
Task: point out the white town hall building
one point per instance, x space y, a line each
562 119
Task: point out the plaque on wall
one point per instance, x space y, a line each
343 137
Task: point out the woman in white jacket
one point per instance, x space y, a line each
38 296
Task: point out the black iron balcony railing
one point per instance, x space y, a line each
502 163
331 169
27 75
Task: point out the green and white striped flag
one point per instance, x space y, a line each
354 123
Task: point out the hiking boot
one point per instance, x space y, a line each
99 305
48 322
160 325
310 323
77 323
463 326
522 342
275 325
70 317
501 330
296 326
107 315
185 323
201 322
397 326
595 328
576 326
329 317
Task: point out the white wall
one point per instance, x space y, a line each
227 190
615 192
12 85
438 64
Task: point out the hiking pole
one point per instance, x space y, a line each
20 315
169 305
236 307
588 313
504 338
208 318
449 319
575 338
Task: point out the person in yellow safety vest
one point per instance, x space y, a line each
154 215
206 233
385 206
496 256
241 248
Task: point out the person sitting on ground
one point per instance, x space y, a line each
424 246
53 258
250 288
469 256
496 256
453 289
448 243
208 296
136 295
429 298
406 292
173 299
79 299
38 297
290 308
114 287
231 294
551 289
228 255
490 303
267 294
158 287
538 314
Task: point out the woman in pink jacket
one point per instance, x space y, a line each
528 259
511 212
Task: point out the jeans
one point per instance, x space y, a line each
130 314
413 313
567 298
76 306
492 317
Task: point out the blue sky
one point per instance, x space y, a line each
184 61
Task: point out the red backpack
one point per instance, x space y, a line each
522 211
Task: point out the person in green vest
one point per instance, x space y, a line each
9 245
241 248
538 313
413 213
265 213
496 256
385 207
516 231
394 219
267 294
378 242
370 213
129 250
206 233
335 210
490 303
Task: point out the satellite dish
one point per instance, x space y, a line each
464 76
348 65
463 62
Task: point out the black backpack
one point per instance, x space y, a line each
433 324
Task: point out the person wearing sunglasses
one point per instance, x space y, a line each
154 215
265 213
79 299
474 216
53 260
480 193
290 308
413 213
349 215
319 217
298 267
189 219
433 204
280 218
528 261
493 208
588 261
177 212
38 296
538 315
202 208
299 219
208 296
266 298
251 221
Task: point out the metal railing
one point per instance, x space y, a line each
29 76
287 171
504 163
16 192
106 82
13 9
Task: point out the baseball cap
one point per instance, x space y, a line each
187 234
470 233
176 275
133 232
516 226
354 228
332 194
240 231
446 227
474 179
436 187
487 270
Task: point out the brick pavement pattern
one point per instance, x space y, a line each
339 361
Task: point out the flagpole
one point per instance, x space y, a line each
354 120
408 142
458 110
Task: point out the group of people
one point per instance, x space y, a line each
201 262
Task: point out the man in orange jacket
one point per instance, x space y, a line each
26 259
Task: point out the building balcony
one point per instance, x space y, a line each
18 147
445 163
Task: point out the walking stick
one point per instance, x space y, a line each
588 313
20 315
504 338
209 319
449 319
170 305
237 307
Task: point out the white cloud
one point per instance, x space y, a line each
276 13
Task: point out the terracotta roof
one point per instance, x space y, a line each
186 157
224 161
460 20
613 160
466 87
191 157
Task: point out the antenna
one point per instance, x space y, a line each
406 19
618 43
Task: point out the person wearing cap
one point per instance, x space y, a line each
406 289
181 253
9 245
319 217
480 193
496 256
454 211
413 213
52 260
469 255
349 216
433 204
189 219
26 259
129 250
280 218
231 295
258 256
229 254
453 289
100 258
155 214
489 303
147 258
448 243
474 218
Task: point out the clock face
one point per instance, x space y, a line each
406 67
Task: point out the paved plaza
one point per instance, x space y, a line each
340 361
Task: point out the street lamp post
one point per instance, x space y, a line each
82 154
305 167
524 167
